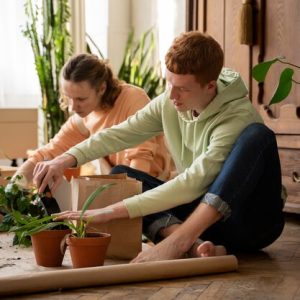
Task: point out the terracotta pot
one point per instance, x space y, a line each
72 172
89 251
46 247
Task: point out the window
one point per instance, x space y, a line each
170 23
19 86
96 23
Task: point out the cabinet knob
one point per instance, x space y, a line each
296 177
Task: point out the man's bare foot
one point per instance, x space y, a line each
209 249
205 249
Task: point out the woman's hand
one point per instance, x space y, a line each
52 171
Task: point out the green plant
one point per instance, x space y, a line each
90 42
80 228
46 29
286 80
137 67
28 225
19 206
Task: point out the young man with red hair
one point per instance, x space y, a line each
227 194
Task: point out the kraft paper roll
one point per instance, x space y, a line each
114 274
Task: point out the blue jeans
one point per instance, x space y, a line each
249 184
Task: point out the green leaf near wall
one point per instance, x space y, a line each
284 86
260 71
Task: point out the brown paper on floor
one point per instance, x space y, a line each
126 233
115 274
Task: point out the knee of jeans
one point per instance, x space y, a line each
258 132
119 169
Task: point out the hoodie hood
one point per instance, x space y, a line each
230 87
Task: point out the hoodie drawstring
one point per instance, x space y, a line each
194 142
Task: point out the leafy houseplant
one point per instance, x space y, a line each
46 237
46 241
80 229
26 215
52 46
137 66
19 206
88 249
286 80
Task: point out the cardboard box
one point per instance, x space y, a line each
6 171
18 131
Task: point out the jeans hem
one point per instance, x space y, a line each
220 205
157 225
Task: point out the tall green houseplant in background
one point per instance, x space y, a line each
137 66
46 29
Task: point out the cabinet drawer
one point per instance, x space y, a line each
290 167
290 162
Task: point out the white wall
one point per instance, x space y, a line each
167 17
122 17
119 23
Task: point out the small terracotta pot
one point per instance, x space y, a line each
72 172
47 249
89 251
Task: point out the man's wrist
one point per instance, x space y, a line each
68 160
118 211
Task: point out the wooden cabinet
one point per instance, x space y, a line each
18 132
276 26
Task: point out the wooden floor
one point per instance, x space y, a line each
271 274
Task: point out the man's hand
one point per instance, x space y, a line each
52 171
26 171
100 215
165 250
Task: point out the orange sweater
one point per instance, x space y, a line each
152 156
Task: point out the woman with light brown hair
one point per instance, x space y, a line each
100 101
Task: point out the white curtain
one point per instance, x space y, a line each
19 86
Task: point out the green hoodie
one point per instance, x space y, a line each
199 146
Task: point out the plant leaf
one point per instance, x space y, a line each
92 197
284 86
42 227
259 72
34 222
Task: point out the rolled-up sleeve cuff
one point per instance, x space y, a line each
221 206
80 158
132 207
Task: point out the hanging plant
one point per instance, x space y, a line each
46 29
